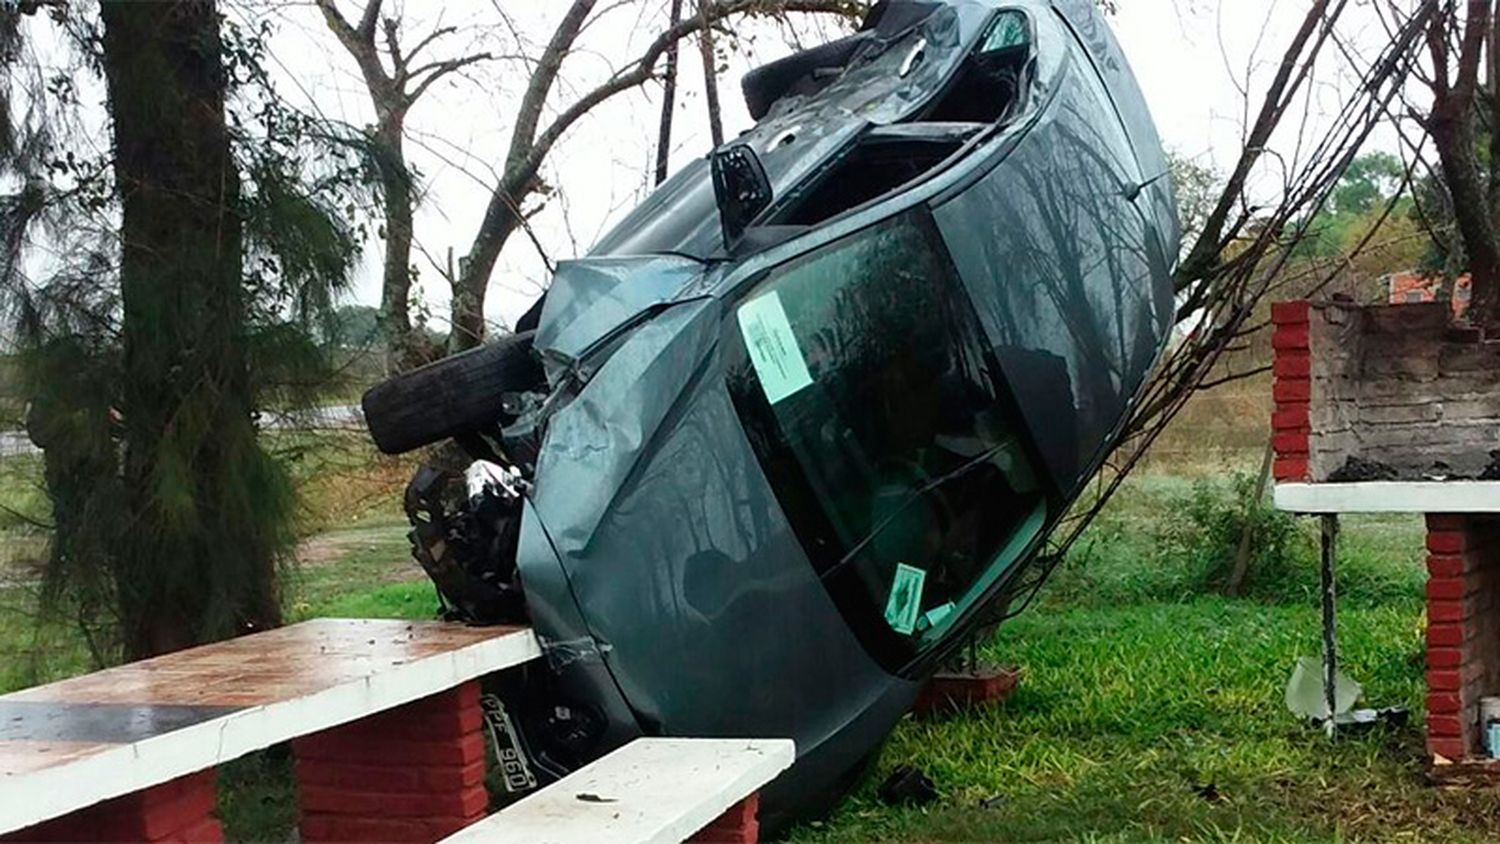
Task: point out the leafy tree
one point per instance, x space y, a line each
1367 182
1358 200
1196 187
355 326
196 262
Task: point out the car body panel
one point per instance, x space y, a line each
655 546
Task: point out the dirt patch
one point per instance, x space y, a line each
334 546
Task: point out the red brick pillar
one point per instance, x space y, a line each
1290 423
1463 630
415 773
739 825
180 810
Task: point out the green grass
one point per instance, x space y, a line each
1125 714
1142 687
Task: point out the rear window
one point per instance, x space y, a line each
877 411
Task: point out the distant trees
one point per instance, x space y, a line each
1196 187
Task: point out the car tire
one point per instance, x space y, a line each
450 397
768 83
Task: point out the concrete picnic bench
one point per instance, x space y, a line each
387 728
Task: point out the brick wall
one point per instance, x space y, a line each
1463 629
415 773
1395 385
175 812
1292 389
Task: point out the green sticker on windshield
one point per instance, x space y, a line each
773 348
905 603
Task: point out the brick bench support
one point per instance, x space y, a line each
739 825
1463 630
181 810
414 773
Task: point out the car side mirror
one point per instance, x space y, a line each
740 188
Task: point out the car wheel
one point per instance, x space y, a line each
450 397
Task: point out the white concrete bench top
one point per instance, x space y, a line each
1390 497
68 745
651 791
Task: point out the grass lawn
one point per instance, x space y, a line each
1150 709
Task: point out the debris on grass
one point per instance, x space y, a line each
907 786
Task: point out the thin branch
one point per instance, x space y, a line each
437 70
430 37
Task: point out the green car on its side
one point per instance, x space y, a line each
808 413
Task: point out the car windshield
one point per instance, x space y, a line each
876 409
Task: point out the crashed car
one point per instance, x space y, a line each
796 427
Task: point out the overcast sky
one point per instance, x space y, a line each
1194 58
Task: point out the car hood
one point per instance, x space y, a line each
592 299
595 440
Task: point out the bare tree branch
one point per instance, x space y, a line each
530 147
437 70
710 75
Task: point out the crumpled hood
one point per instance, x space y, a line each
595 441
591 298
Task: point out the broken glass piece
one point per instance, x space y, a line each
1304 692
1009 31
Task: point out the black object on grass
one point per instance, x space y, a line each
907 786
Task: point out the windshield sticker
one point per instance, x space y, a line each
773 348
905 603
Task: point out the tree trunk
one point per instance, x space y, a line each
403 352
1452 130
710 76
207 511
466 314
668 102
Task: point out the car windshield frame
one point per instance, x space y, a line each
934 487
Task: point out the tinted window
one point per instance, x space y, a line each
1071 285
875 408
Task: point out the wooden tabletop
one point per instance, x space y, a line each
71 744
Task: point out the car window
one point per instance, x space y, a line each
1066 275
876 410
